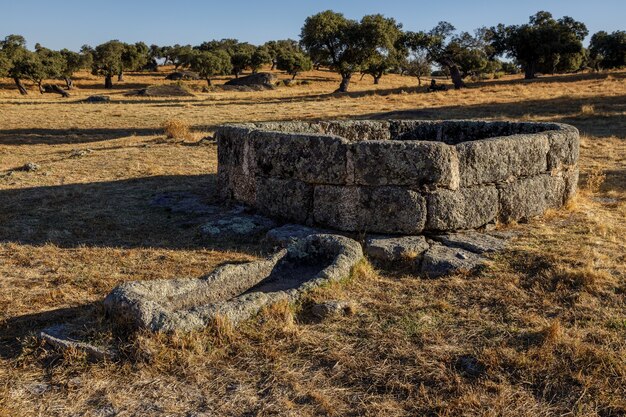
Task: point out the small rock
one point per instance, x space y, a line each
332 308
77 153
238 226
472 241
97 99
283 236
393 249
29 167
58 337
38 388
441 260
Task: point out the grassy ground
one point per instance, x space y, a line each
541 331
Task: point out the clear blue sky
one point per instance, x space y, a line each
72 23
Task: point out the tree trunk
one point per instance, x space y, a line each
208 81
457 79
120 76
53 88
345 83
376 79
69 83
419 81
41 90
294 76
20 86
273 66
529 71
108 82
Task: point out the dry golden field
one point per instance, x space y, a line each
544 324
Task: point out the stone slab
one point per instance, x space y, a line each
465 208
283 236
441 260
498 160
530 197
287 199
405 163
472 241
369 209
395 248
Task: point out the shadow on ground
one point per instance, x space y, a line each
68 136
113 214
15 331
608 119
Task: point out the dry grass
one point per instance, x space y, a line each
541 332
177 129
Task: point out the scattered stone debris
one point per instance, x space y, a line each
395 248
234 291
60 337
472 241
28 167
77 153
332 308
97 99
441 260
285 235
237 226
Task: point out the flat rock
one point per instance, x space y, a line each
97 99
472 241
237 226
59 336
394 248
260 78
165 90
285 235
441 260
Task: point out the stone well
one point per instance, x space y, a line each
399 176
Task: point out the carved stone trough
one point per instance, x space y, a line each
399 176
235 291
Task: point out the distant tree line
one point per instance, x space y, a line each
373 46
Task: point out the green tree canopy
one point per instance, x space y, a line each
544 44
346 45
608 50
107 61
283 46
293 62
260 57
209 64
390 49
